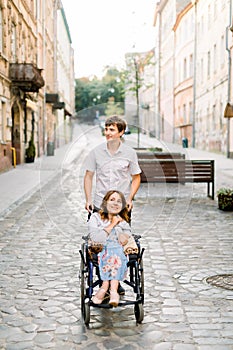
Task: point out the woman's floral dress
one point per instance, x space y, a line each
112 260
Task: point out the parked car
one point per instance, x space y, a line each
127 131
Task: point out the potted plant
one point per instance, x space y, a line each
30 152
225 198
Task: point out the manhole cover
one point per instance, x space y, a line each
222 281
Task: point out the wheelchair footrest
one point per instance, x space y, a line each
121 303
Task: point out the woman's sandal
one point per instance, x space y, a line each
99 296
114 298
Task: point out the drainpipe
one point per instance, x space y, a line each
229 77
159 78
194 73
24 103
44 118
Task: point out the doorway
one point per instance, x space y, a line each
15 131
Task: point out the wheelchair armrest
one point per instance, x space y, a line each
136 237
133 257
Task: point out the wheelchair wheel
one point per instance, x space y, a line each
81 277
86 311
141 280
85 305
139 312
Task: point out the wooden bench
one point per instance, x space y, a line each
178 171
159 155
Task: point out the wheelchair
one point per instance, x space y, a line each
90 279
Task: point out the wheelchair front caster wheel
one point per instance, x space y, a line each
86 312
139 312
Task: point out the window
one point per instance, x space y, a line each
23 51
190 112
38 9
13 42
202 70
185 68
215 58
184 114
2 120
208 64
191 65
221 115
214 118
209 16
202 25
1 124
208 119
222 56
215 9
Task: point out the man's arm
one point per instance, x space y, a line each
88 178
135 184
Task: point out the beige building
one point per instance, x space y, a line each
183 75
165 17
211 77
193 69
29 42
21 79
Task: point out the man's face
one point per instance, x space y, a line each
111 132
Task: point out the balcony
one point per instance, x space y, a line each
54 99
26 76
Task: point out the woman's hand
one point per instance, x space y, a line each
123 238
116 219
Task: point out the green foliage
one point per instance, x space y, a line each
31 150
136 64
94 95
114 108
225 191
225 198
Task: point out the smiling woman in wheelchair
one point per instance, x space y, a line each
110 228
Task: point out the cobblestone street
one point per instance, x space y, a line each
187 239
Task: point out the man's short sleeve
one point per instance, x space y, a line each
134 166
90 162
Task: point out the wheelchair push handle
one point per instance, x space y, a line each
90 212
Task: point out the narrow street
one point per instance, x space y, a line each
187 240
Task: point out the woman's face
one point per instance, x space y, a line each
114 204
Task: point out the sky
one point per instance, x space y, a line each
102 31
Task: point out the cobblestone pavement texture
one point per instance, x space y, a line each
186 237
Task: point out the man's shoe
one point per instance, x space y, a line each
120 290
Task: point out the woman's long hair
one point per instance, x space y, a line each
124 213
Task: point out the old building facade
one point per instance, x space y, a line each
183 75
193 73
29 48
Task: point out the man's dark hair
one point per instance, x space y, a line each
115 120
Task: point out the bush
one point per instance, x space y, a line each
31 150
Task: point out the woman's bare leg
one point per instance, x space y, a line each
114 296
99 296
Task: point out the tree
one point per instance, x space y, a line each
134 79
98 94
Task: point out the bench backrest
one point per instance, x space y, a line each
176 170
160 155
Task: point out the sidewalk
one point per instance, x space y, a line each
19 183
